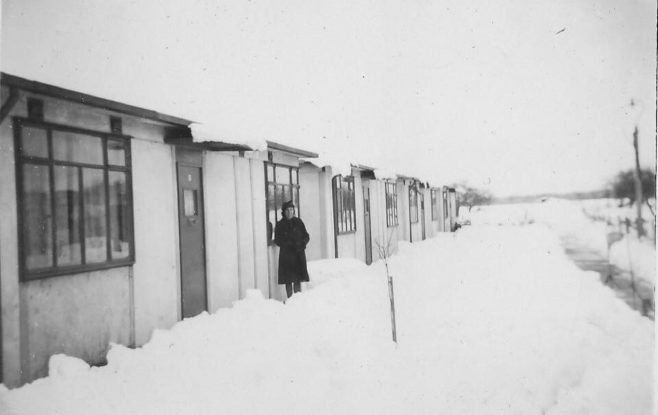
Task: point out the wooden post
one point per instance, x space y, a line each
384 252
392 298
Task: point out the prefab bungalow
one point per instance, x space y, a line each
410 218
116 221
287 177
425 210
356 213
380 213
445 212
88 256
365 215
434 212
452 208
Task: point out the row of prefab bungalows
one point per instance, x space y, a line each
115 222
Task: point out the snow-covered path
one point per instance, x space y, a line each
490 320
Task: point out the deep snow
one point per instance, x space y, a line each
570 219
491 319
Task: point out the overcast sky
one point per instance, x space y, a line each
516 96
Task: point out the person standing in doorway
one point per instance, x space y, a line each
291 236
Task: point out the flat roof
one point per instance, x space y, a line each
363 167
271 145
82 98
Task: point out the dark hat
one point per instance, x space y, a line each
287 205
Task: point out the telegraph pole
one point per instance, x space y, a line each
638 186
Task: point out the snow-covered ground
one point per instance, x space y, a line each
491 320
570 219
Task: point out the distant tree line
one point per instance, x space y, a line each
622 185
470 196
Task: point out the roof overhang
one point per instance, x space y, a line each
273 146
13 81
183 137
366 171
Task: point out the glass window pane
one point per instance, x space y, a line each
271 211
282 175
295 197
346 208
116 152
271 198
287 193
93 188
67 219
270 173
295 176
271 224
279 197
343 216
119 219
37 217
79 148
190 202
34 142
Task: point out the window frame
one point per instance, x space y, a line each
413 204
21 160
294 189
344 204
435 205
391 200
445 204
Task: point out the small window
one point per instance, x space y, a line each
344 204
391 205
116 152
74 188
77 148
34 142
190 207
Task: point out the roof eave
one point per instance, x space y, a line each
274 146
86 99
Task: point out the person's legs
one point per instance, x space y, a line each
289 289
298 287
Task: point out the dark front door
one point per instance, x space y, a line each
422 213
192 245
366 224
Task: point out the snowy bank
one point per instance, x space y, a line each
492 319
636 256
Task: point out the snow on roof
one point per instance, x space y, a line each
202 133
385 173
338 165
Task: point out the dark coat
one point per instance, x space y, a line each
291 236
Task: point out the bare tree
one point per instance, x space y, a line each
471 196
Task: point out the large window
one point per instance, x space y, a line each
413 204
344 204
75 199
391 205
282 185
435 205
